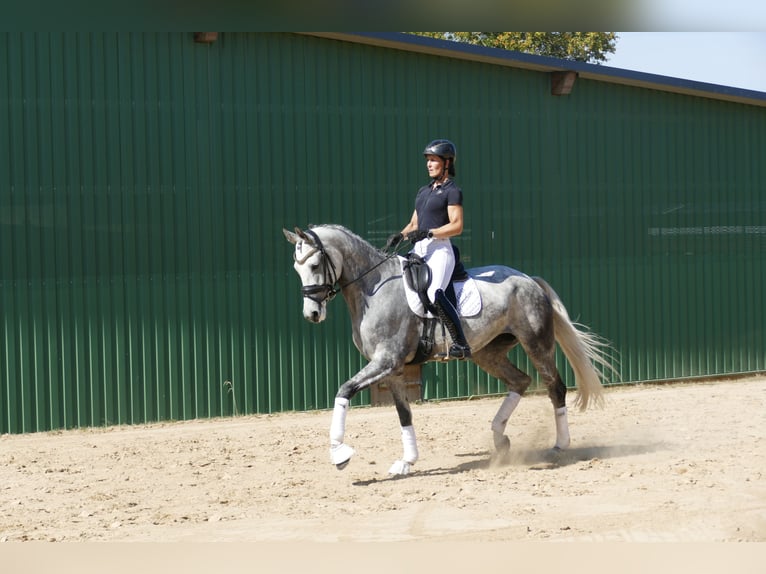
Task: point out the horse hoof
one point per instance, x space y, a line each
399 468
340 455
556 455
502 445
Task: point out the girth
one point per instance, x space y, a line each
426 342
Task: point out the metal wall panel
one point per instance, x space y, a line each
145 179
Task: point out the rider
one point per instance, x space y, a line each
438 215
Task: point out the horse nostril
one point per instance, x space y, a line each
315 316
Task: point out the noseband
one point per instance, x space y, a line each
326 291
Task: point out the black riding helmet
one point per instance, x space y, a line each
445 149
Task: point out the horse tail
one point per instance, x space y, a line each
586 352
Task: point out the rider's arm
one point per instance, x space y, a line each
412 225
455 225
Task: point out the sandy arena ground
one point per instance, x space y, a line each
680 463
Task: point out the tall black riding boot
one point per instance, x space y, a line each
448 314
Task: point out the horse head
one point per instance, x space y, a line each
317 271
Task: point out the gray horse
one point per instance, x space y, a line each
516 309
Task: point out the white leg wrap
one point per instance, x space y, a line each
338 425
504 413
409 442
562 428
410 446
399 468
340 453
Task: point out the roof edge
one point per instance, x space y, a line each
509 58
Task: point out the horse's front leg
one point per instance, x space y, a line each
375 371
402 466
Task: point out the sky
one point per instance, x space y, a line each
734 59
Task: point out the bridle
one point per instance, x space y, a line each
327 290
321 293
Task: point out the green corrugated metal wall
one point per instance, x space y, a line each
145 179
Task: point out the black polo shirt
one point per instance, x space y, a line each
431 203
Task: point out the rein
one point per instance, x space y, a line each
328 290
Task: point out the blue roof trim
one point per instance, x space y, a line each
547 63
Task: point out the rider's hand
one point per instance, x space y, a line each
417 235
393 241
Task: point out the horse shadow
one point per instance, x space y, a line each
534 459
554 458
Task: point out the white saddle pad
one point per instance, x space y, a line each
467 293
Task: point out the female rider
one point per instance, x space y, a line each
438 215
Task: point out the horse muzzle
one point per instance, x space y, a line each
314 312
315 298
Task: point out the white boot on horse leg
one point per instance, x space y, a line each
340 453
558 453
502 442
402 467
562 429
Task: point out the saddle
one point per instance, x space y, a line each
418 276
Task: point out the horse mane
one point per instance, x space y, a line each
353 236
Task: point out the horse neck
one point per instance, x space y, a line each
358 258
364 269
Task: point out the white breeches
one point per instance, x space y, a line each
440 257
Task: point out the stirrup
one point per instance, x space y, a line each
457 351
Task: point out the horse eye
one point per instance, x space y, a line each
314 267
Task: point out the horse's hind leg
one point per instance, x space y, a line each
409 440
543 358
493 359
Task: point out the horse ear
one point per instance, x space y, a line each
302 234
290 236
